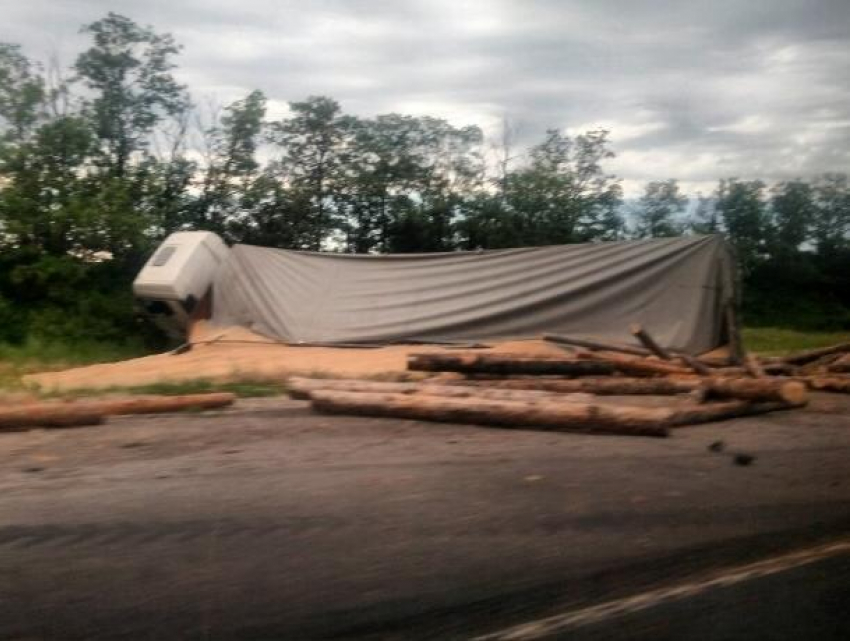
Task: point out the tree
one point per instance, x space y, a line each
43 204
793 210
272 215
741 207
705 219
22 94
311 142
562 196
171 175
128 69
450 168
503 149
232 165
486 223
832 214
658 208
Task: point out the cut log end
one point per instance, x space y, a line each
794 393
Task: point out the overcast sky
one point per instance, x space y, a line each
690 90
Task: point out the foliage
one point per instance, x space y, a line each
562 196
128 69
775 341
658 209
37 355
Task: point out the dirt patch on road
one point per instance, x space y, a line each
238 354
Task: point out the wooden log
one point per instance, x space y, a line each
48 415
92 412
801 358
649 343
783 391
710 412
507 364
603 386
818 366
695 365
729 372
301 388
641 366
595 345
767 390
753 366
779 369
762 390
713 360
543 414
841 365
161 404
305 388
836 384
736 344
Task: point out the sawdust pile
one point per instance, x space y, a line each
238 354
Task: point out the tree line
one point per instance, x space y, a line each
100 161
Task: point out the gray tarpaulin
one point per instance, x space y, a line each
676 288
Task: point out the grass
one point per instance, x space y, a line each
38 356
774 341
18 360
244 388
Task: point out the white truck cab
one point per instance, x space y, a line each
180 273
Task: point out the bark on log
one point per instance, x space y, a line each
48 415
784 391
819 366
753 366
507 364
695 365
836 384
301 388
841 366
595 345
729 372
92 412
530 389
710 412
541 414
779 369
641 366
762 390
715 387
161 404
736 344
801 358
605 386
649 343
549 415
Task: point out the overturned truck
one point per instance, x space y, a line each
682 288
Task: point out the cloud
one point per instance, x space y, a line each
691 90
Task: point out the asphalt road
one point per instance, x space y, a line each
266 521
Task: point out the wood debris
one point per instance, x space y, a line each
566 392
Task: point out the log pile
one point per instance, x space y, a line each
566 392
